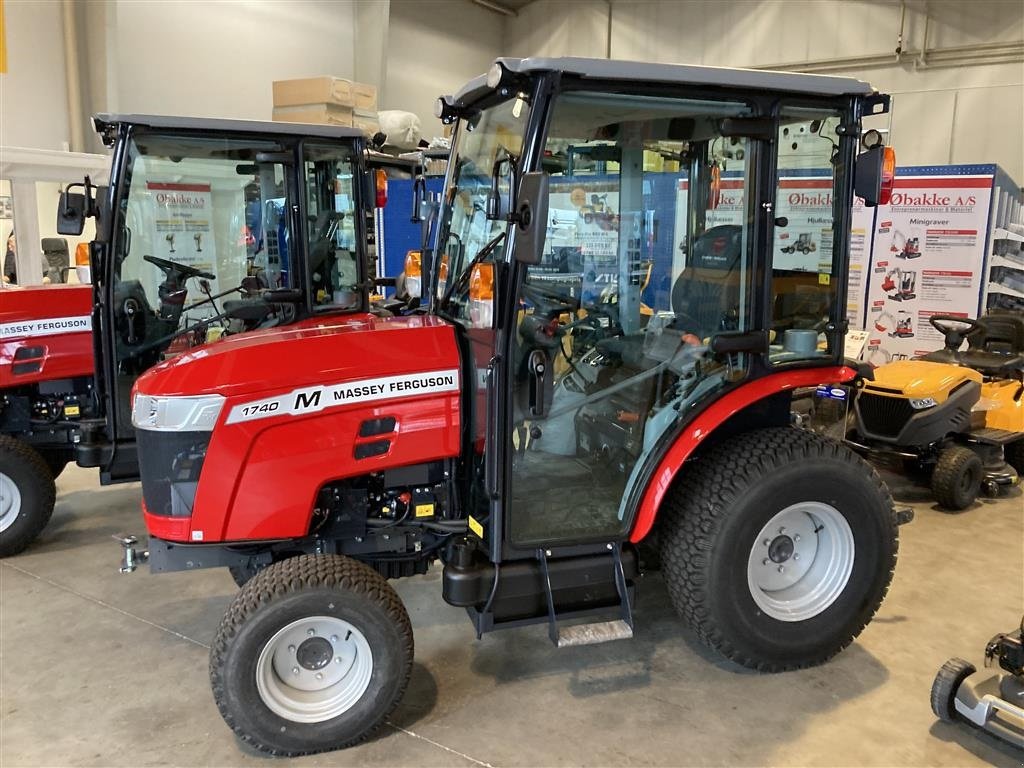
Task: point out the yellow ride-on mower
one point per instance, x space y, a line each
958 415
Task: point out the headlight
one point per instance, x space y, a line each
920 403
176 414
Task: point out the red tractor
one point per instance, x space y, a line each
525 436
220 227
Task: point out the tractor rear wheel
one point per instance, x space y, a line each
313 653
946 684
777 547
956 479
1014 455
27 495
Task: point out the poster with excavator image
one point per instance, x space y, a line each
927 259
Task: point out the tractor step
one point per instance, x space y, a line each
592 634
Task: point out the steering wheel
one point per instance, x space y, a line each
954 337
548 302
184 270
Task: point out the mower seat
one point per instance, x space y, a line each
706 293
998 351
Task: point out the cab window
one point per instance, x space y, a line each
334 271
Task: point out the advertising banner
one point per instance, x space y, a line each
927 259
183 230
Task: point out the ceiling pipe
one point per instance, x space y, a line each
490 5
953 56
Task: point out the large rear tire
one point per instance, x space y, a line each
946 684
27 495
313 653
956 479
777 547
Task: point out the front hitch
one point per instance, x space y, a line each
131 557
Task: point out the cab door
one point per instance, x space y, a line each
198 221
648 259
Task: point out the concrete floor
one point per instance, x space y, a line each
103 669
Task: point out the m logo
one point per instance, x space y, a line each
306 400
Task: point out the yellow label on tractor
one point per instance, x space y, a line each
424 510
71 410
476 528
824 278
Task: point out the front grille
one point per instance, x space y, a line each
882 415
170 464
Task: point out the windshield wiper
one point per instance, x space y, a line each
460 282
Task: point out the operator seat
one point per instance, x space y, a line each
997 351
707 291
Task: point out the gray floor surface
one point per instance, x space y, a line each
102 669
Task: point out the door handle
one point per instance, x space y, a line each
540 383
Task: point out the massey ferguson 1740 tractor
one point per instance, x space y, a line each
208 228
527 430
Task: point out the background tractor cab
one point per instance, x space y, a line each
609 348
212 227
957 415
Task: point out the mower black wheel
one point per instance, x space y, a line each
956 479
27 495
946 684
313 653
1014 455
777 547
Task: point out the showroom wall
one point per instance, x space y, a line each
950 108
218 59
33 91
435 46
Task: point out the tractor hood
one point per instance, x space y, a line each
44 310
314 352
920 379
45 333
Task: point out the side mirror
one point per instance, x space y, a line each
71 213
531 217
874 175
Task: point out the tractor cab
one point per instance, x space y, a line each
210 228
611 327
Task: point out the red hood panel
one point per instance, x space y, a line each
45 333
314 351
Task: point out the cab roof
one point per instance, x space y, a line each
689 74
173 122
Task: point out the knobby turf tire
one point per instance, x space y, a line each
29 472
956 479
945 686
307 585
1014 455
717 507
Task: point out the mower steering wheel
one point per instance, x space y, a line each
954 337
184 270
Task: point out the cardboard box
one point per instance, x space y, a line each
324 90
364 96
320 114
314 90
366 120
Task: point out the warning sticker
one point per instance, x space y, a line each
49 327
313 399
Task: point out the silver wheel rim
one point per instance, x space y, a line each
314 669
10 502
801 561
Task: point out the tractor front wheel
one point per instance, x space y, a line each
313 653
27 495
956 479
777 547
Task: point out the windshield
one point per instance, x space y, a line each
495 135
